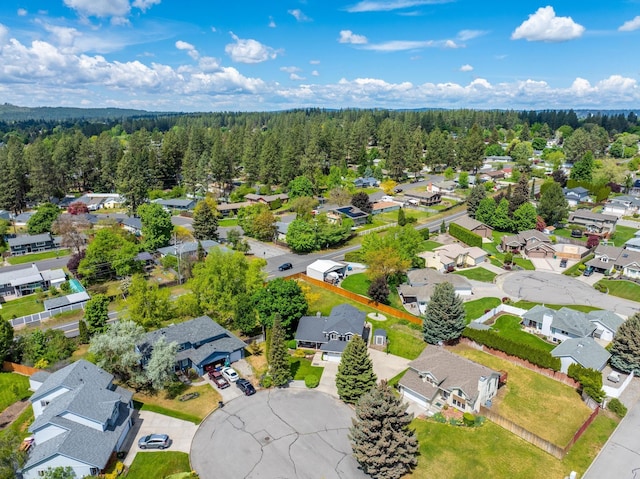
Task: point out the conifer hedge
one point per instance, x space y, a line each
464 235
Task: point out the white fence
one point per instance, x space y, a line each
617 391
501 308
377 228
32 318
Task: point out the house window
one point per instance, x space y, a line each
94 471
333 336
348 337
458 402
44 403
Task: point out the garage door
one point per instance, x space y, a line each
412 396
333 357
537 254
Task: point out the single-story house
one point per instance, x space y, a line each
358 216
26 280
147 260
576 195
201 342
177 204
25 244
500 159
420 284
132 225
475 226
492 175
95 201
448 257
558 325
447 186
366 182
583 351
23 218
635 188
594 222
282 227
625 205
384 207
608 258
331 334
231 209
439 378
189 249
268 200
81 419
533 243
633 244
5 215
423 198
324 268
68 300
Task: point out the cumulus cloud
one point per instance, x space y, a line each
145 4
347 36
296 77
249 51
545 26
400 45
630 25
289 69
22 12
315 73
465 35
189 48
387 6
314 62
117 10
298 15
466 68
4 33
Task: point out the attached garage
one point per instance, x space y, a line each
332 351
413 396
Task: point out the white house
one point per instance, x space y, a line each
625 205
81 418
583 351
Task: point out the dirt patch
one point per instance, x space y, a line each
12 412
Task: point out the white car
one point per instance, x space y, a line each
230 374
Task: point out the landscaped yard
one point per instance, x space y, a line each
548 408
477 307
578 307
622 288
478 274
430 245
194 410
158 464
228 222
359 283
508 326
499 257
23 306
13 388
490 451
623 234
301 368
32 257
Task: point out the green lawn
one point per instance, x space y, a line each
508 327
526 399
566 233
21 307
492 249
430 245
158 464
301 368
578 307
228 222
622 289
575 269
30 258
623 234
13 388
194 410
450 452
477 307
357 283
478 274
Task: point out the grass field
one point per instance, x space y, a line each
478 274
13 388
158 464
623 234
21 307
430 245
301 368
622 289
508 327
477 307
525 399
578 307
32 257
356 283
228 222
194 410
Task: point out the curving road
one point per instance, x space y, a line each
554 288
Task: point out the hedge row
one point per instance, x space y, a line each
464 235
495 341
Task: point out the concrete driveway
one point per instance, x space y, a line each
147 422
278 433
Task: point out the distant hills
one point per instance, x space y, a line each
11 113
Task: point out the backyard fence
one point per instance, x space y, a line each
617 391
9 367
32 318
377 228
501 308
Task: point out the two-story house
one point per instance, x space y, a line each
81 418
201 342
558 325
595 223
532 243
609 258
331 334
25 281
625 205
24 244
438 378
420 284
423 198
576 195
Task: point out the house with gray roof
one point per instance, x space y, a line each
132 225
606 322
26 280
81 418
595 223
330 334
625 205
576 195
558 325
583 351
25 244
625 261
633 244
177 204
201 342
420 284
439 378
189 249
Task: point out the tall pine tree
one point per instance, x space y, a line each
444 318
279 367
478 193
625 349
205 221
355 375
381 440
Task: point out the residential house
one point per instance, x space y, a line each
366 182
439 378
26 280
81 419
606 322
633 244
5 215
420 284
451 256
358 216
201 342
132 225
443 187
147 260
576 195
595 223
558 325
475 226
67 300
189 248
23 218
493 175
270 200
635 188
619 206
177 204
423 198
532 243
384 207
95 201
500 159
608 258
583 351
282 228
331 334
231 209
24 244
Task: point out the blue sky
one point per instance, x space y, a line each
212 55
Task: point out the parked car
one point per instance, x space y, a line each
397 190
154 441
219 380
285 266
563 263
588 271
230 374
246 387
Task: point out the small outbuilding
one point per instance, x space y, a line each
380 338
322 268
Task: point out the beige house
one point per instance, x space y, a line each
475 226
451 256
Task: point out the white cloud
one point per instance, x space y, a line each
296 77
400 45
465 35
63 36
100 8
315 73
272 23
22 12
387 6
544 25
4 33
289 69
314 62
189 48
213 29
630 25
249 51
145 4
466 68
298 15
347 36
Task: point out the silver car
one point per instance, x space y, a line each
154 441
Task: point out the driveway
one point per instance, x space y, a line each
147 422
553 288
277 433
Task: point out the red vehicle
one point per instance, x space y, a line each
219 380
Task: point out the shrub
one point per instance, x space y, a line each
353 256
508 258
291 344
174 389
311 381
424 232
299 353
553 239
455 422
266 382
581 267
65 287
438 417
616 407
468 419
590 380
600 287
464 235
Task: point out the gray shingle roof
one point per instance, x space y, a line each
343 319
588 214
190 247
76 374
608 318
135 223
30 239
176 202
585 351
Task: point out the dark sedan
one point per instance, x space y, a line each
285 266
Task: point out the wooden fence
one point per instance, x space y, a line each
9 367
383 308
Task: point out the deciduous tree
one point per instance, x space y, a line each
477 194
355 376
147 304
72 229
300 186
159 368
361 200
379 290
115 349
6 339
42 219
524 218
444 318
282 297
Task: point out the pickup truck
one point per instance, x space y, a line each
218 379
